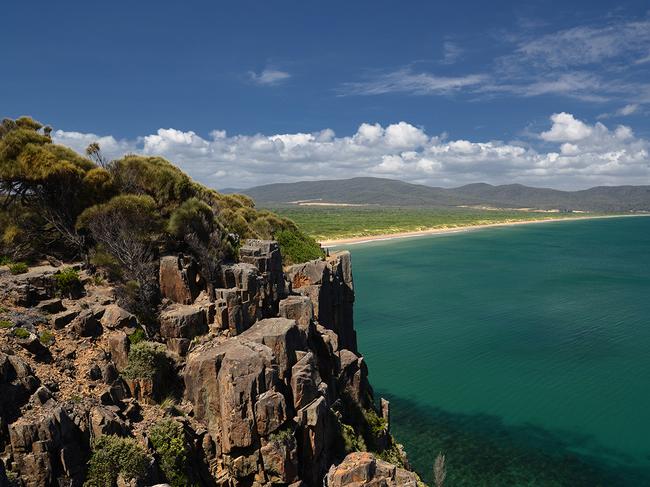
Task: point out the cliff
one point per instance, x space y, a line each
251 377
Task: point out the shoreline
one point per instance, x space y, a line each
458 229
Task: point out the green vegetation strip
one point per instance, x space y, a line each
330 223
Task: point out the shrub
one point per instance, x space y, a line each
114 456
6 324
46 337
168 439
297 247
67 280
18 268
4 260
351 440
137 336
283 436
146 361
21 333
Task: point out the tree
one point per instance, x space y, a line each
47 178
195 223
128 228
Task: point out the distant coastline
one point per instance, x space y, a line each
459 229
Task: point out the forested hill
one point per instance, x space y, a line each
390 192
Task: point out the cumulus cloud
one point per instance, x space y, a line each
575 154
269 76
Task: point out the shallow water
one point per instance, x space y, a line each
522 353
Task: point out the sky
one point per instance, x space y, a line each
543 93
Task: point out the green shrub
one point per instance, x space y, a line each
137 336
6 324
4 260
114 456
296 247
146 361
18 268
351 440
168 439
67 280
21 333
46 337
283 436
106 262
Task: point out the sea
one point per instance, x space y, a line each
520 353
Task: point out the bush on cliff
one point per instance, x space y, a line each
148 360
168 439
113 457
47 187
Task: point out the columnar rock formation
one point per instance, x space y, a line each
269 384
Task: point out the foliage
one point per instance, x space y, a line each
168 439
351 440
67 280
21 332
284 436
192 216
18 268
48 179
114 456
147 360
5 324
137 336
297 247
335 222
46 337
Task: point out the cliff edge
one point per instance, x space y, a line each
254 380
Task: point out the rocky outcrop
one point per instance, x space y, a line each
329 286
179 279
362 469
261 367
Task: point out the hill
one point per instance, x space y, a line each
390 192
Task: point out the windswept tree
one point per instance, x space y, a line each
52 182
128 228
194 223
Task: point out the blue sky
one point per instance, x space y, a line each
241 93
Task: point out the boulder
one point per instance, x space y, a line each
280 459
50 306
118 346
299 308
86 324
363 469
116 317
304 381
180 323
270 412
223 382
179 279
282 336
64 318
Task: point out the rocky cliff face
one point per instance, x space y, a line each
262 372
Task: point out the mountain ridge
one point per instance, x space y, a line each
392 192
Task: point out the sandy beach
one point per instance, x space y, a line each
459 229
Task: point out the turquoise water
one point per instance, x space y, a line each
522 353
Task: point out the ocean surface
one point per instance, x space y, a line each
522 353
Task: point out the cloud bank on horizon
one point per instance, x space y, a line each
570 154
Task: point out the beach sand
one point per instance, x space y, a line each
458 229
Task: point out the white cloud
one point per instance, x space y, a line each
407 81
566 128
269 76
583 45
451 52
576 155
595 63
